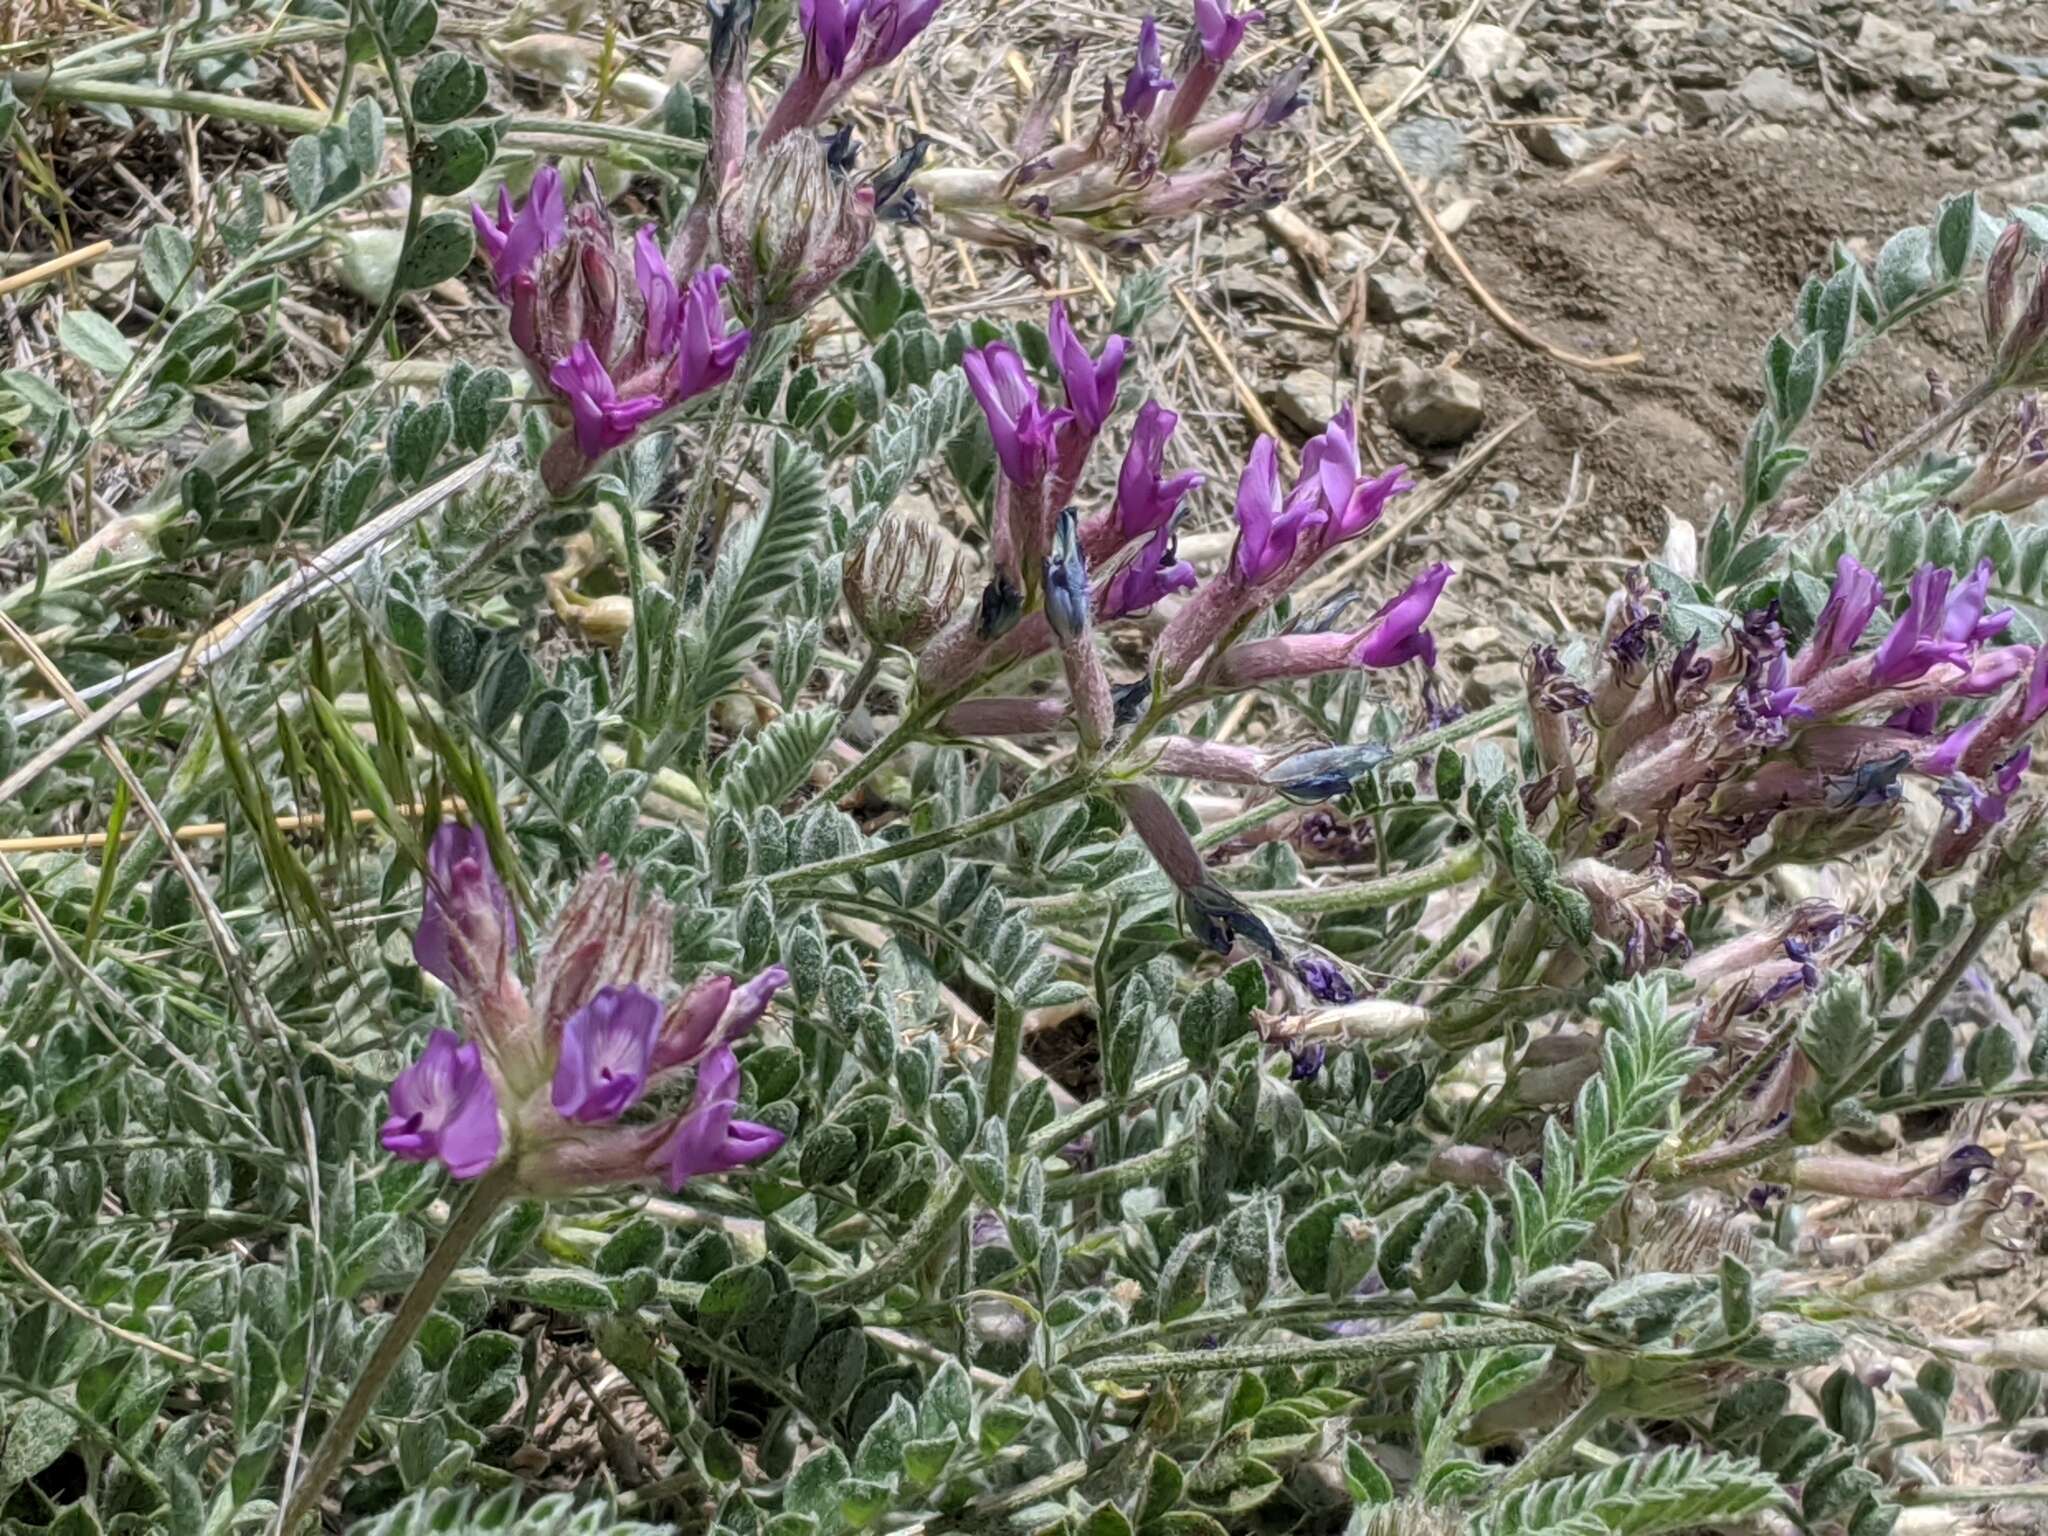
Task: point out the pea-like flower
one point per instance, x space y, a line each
617 350
1395 634
843 40
1218 31
607 1054
549 1080
1151 575
710 1139
1018 420
1147 498
444 1108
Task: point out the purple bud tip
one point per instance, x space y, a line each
1396 633
1324 981
1221 29
607 1053
444 1108
1066 582
1147 81
468 928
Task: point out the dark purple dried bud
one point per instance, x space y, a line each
1308 1062
1325 982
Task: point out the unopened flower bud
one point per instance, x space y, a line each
905 580
790 228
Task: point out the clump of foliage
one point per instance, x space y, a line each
574 981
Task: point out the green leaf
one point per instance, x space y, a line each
1905 267
506 682
1955 232
450 161
167 263
442 246
814 1488
448 86
95 341
366 135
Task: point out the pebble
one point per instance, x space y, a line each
1700 107
1453 217
1557 143
1427 147
1435 407
1483 49
1384 87
1307 398
1397 296
1528 85
1427 333
1775 96
1923 79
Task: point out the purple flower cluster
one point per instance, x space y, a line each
843 40
1725 751
618 347
546 1077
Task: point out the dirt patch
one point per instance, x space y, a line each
1693 249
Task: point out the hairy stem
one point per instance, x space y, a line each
1555 1446
1372 1349
1061 789
1901 1034
484 1199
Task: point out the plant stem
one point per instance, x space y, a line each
1063 788
1898 1037
484 1199
1708 1114
698 503
1444 948
1555 1446
1003 1051
1460 864
857 687
1130 1174
1373 1349
932 1228
1957 411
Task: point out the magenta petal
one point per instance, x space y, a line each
607 1052
443 1106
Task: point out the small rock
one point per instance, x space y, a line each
1386 86
1483 49
1493 680
2028 142
1427 333
1453 217
1528 85
1427 147
1699 107
1436 407
1923 79
2027 66
1775 96
1884 41
1397 296
1969 149
1700 71
1307 398
1557 143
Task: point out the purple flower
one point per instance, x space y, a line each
443 1106
1991 670
1308 1062
1964 619
1017 418
830 29
664 309
603 420
468 928
1324 981
1917 719
1152 574
1919 642
1396 633
606 1055
714 1013
1221 29
1090 382
892 26
1267 529
1145 502
708 1139
1147 81
1947 757
514 242
1843 618
706 352
1330 467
